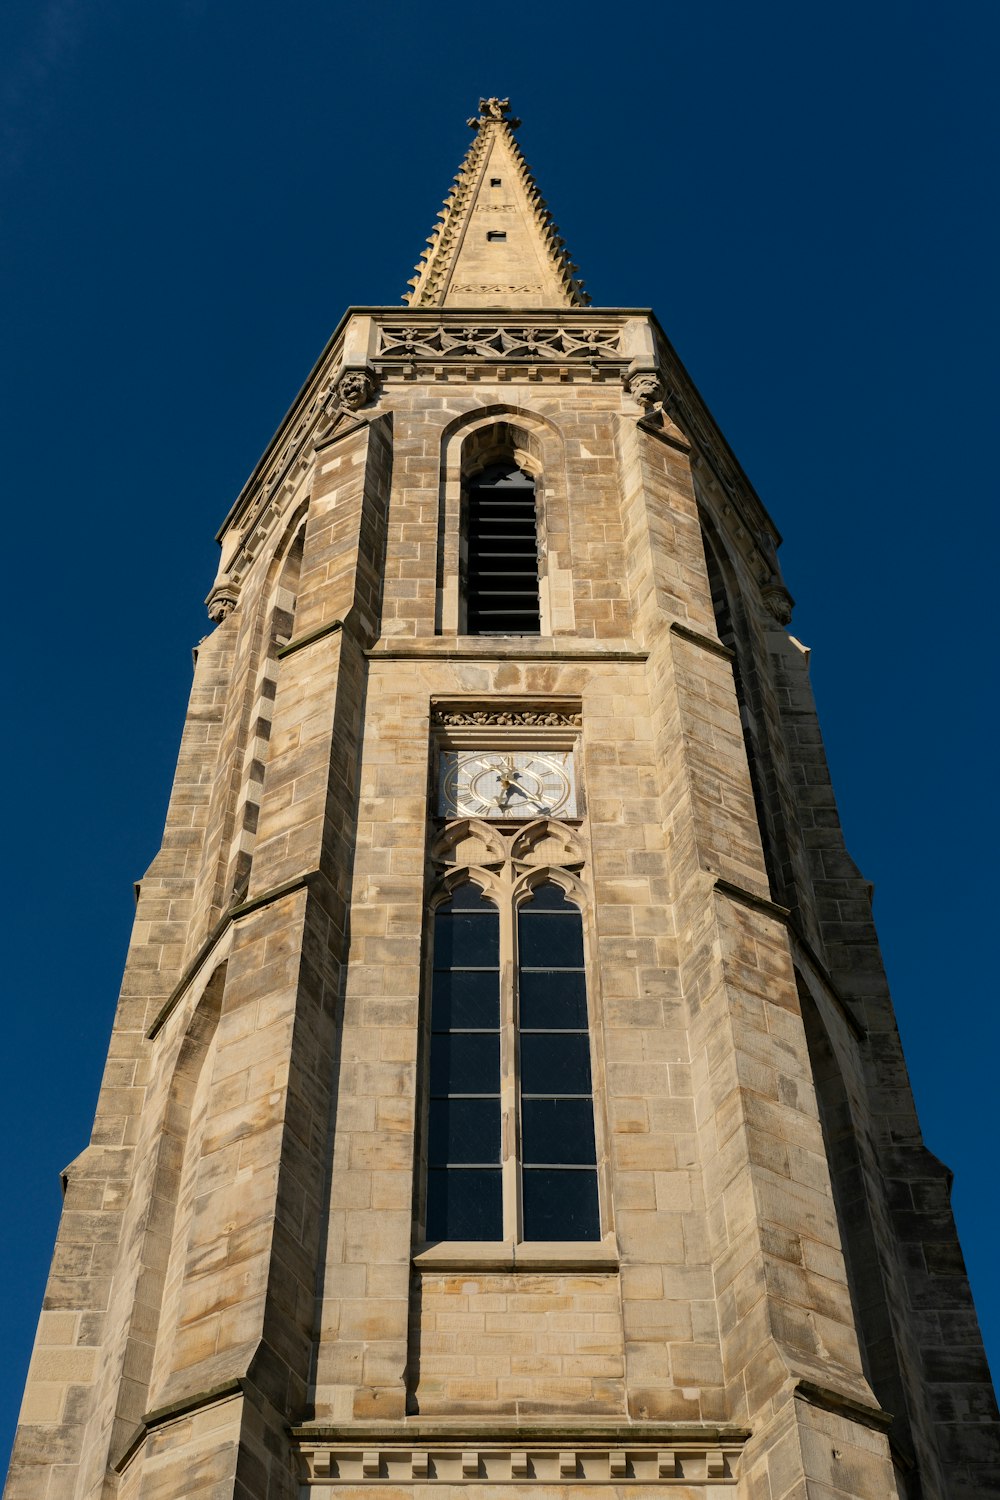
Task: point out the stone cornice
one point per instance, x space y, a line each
553 1428
497 1451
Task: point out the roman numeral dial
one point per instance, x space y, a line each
507 783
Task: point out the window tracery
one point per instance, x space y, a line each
510 1139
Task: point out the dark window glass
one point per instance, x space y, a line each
466 1062
464 1205
467 940
555 1000
466 1000
555 1062
559 1191
560 1205
558 1130
549 942
556 1123
464 1130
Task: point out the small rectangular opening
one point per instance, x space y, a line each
496 234
494 182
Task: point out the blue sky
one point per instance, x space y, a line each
191 194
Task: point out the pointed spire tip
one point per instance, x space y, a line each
527 260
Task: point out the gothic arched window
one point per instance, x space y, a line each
501 553
511 1149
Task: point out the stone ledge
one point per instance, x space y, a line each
319 634
670 1457
496 648
297 883
550 1255
699 638
844 1405
799 943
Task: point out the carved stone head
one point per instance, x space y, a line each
646 388
778 602
221 602
355 388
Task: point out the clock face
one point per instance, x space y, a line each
507 783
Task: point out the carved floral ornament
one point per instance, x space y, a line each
497 341
515 718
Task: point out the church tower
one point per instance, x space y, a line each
504 1093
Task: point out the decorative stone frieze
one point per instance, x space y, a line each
499 341
497 286
518 718
686 1462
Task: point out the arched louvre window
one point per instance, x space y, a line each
510 1141
501 593
558 1154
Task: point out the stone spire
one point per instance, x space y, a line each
495 244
